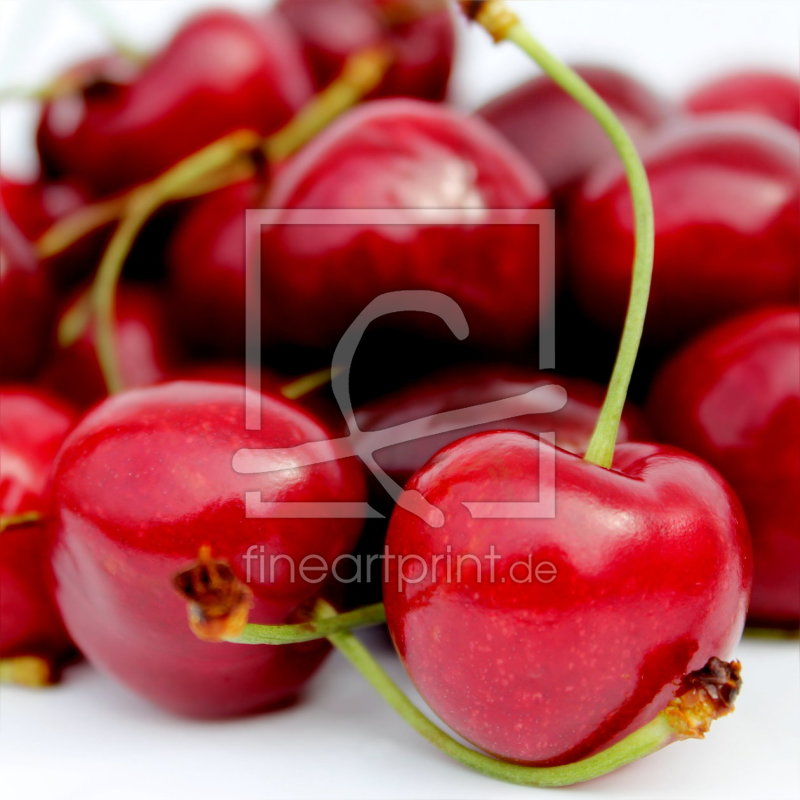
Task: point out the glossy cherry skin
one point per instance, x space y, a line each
32 427
641 576
221 72
771 94
726 192
144 346
460 388
34 206
207 266
405 158
146 479
419 35
471 385
26 305
733 397
561 139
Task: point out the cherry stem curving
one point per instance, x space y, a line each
321 626
504 25
219 164
656 734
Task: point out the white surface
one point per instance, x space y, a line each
91 739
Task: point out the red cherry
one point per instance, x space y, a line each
221 72
143 482
32 427
207 263
733 397
758 92
407 159
419 35
472 385
144 350
461 388
34 206
641 576
558 136
725 191
26 304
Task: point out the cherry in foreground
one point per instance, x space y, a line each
464 389
143 483
567 632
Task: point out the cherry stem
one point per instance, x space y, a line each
648 739
20 520
216 165
32 671
306 384
503 24
360 75
320 627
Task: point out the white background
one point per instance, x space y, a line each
89 738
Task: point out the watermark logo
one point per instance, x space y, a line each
364 444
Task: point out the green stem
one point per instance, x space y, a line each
70 229
104 289
20 520
648 739
317 628
362 72
503 24
360 75
34 672
306 384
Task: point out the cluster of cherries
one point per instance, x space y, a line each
108 492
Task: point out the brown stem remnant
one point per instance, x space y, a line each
218 602
706 695
493 15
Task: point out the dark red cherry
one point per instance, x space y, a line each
733 397
26 305
472 385
221 72
144 349
424 184
32 427
591 614
35 206
140 485
558 136
726 190
772 94
418 33
207 263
